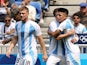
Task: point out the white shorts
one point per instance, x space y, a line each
53 60
25 60
73 59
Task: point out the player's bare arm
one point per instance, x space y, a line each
61 36
42 44
54 34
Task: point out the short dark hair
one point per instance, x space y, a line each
60 10
54 12
63 10
77 14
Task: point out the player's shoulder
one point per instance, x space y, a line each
54 23
18 22
33 23
68 20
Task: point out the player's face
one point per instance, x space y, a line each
76 19
7 21
24 15
61 16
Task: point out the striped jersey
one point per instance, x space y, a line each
71 49
27 33
66 26
56 46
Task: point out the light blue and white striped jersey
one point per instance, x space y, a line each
80 28
66 26
27 33
56 47
72 50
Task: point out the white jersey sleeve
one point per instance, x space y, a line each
37 29
53 26
66 25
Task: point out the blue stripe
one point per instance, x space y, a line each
69 25
71 57
31 30
50 39
56 49
63 47
16 28
22 39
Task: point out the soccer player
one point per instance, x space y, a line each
56 48
26 33
72 50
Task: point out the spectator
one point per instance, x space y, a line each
26 32
4 10
15 12
37 5
39 15
46 5
4 3
83 12
32 10
79 28
8 29
11 2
